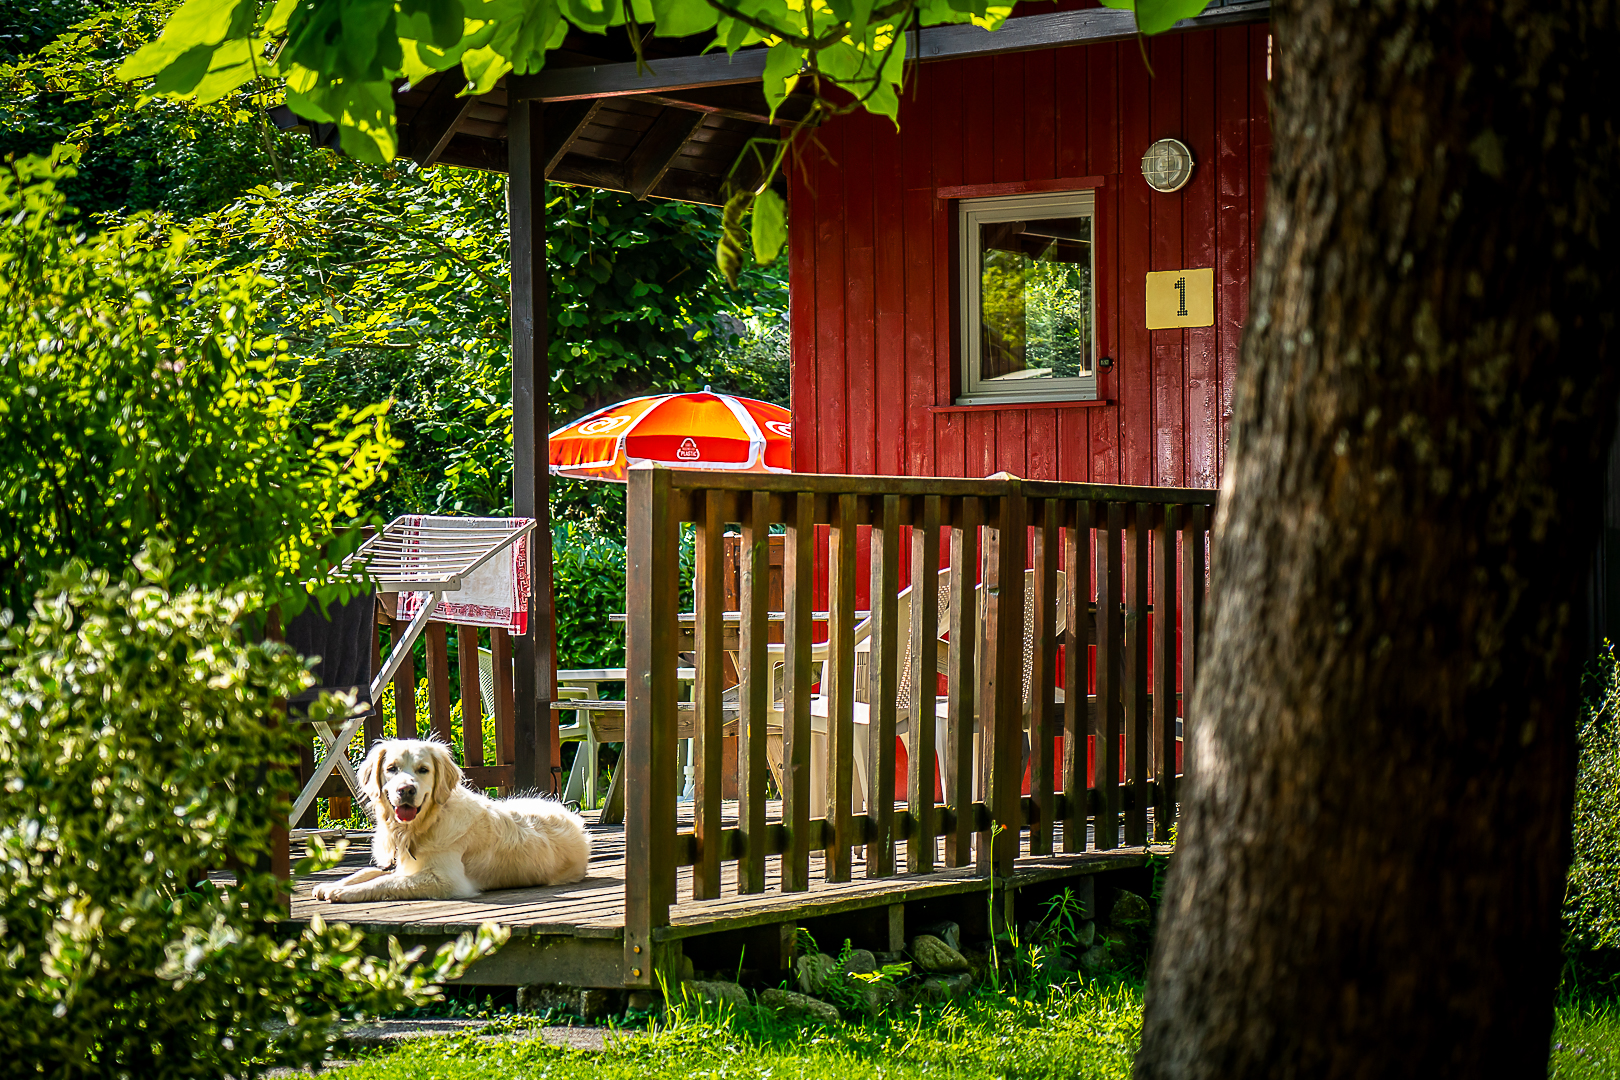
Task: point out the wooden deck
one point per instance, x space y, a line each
574 933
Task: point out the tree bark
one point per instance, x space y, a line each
1375 839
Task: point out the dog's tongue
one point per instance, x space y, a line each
405 813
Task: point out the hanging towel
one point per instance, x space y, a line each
340 636
494 594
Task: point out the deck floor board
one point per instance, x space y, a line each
594 907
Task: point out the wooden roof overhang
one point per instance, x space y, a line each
674 126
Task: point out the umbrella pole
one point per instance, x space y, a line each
536 759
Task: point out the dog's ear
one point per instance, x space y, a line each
371 773
447 775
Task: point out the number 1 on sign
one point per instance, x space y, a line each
1181 287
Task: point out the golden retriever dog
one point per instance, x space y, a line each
437 840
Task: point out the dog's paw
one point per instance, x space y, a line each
322 892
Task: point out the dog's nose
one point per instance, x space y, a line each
407 789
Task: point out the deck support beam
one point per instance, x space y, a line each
536 759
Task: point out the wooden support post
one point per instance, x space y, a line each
652 634
920 764
882 687
1164 671
1076 675
1043 675
1110 642
405 693
536 750
754 691
839 685
706 736
962 682
798 576
1001 684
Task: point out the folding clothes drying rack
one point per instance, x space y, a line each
409 555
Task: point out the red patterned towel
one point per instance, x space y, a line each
495 594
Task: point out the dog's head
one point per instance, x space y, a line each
406 777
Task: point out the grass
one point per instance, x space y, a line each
1071 1031
1586 1041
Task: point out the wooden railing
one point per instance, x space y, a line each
437 637
1094 559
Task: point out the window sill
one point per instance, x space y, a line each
1004 406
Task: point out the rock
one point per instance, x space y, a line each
948 932
688 971
878 996
1086 934
595 1004
814 971
1097 958
978 963
798 1006
1129 910
934 956
719 993
889 957
938 989
861 962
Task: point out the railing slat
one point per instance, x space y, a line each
500 656
920 765
438 665
1110 645
841 691
1164 671
754 690
1043 672
962 685
798 581
472 701
652 579
1138 713
374 721
882 687
1001 688
1076 673
1192 622
404 693
709 583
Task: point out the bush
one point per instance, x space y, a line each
588 571
138 759
1592 896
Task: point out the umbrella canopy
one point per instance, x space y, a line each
685 431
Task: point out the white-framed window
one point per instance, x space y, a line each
1028 298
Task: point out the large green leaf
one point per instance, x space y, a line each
770 226
1157 16
782 72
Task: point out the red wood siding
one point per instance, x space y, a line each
874 330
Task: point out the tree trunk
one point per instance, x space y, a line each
1375 838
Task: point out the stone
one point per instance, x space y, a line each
879 996
1129 910
888 957
1086 934
938 989
948 932
541 997
595 1004
936 957
861 962
814 971
1097 958
794 1006
719 993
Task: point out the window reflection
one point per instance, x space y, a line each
1035 300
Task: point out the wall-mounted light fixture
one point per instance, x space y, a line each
1167 165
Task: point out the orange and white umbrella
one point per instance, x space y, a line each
685 431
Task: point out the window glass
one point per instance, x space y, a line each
1035 299
1028 265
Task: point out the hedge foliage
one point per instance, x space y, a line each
1592 896
138 759
139 400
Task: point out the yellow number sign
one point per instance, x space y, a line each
1180 298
